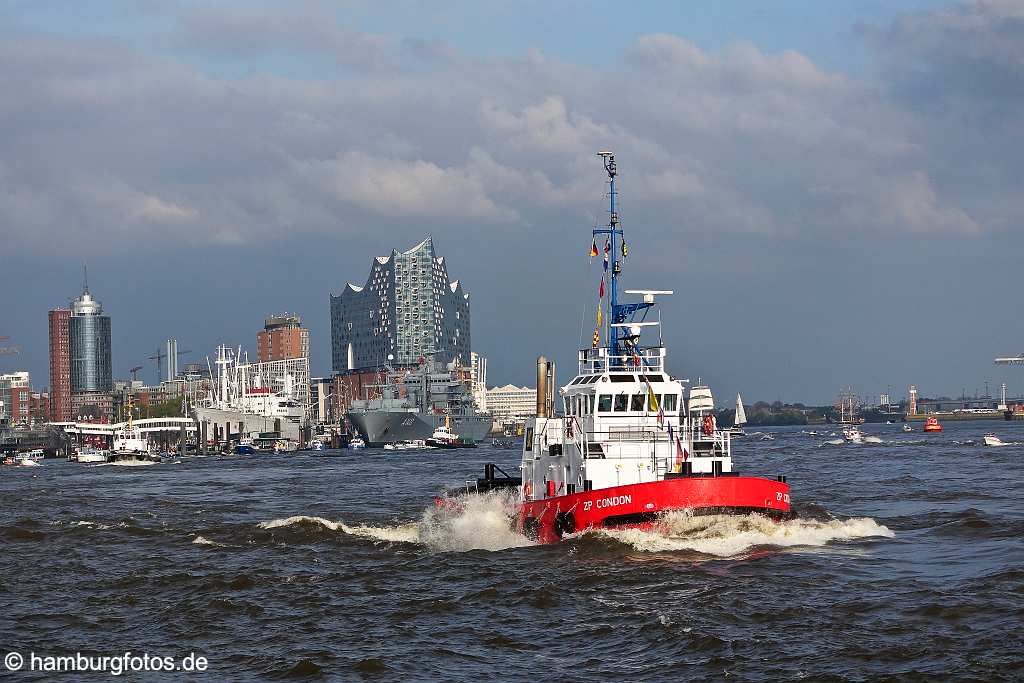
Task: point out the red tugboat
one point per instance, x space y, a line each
628 446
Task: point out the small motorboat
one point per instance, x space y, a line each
503 443
444 437
932 425
92 456
993 440
245 449
907 428
316 445
853 435
356 442
413 445
766 437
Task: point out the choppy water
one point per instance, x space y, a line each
907 562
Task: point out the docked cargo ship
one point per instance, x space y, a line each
625 448
413 404
241 398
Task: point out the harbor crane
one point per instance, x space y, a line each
159 358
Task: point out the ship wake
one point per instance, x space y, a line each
473 522
736 535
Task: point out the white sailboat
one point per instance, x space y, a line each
741 418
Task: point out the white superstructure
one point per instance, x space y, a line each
258 395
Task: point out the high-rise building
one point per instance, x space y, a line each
89 333
282 338
408 309
60 365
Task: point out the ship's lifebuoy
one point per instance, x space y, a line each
565 523
528 489
708 425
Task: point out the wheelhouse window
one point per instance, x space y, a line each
637 403
669 406
655 402
621 403
604 403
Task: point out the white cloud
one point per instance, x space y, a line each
116 140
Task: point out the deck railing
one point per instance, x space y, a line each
599 360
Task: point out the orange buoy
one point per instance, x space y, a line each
932 425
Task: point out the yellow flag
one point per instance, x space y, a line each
599 315
653 399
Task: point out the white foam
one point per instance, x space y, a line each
132 463
730 535
203 540
474 522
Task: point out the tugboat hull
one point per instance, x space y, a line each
638 505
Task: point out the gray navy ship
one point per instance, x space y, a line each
413 403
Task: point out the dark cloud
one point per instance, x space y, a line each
147 152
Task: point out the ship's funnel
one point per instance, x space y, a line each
545 387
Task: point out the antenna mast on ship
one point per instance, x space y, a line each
611 231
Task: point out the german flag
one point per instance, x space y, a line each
593 248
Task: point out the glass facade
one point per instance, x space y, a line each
407 309
90 353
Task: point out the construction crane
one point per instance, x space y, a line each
135 372
8 350
159 358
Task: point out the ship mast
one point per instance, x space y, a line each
614 266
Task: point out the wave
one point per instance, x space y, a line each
733 535
473 522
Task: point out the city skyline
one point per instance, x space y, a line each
809 190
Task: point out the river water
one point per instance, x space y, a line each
906 562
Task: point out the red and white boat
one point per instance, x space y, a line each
623 443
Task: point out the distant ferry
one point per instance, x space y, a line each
412 404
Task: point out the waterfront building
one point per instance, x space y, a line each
92 405
39 407
282 338
321 394
15 394
478 379
511 403
60 365
89 335
407 310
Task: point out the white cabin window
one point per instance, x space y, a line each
670 403
604 404
621 403
637 404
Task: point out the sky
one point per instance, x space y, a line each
831 189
